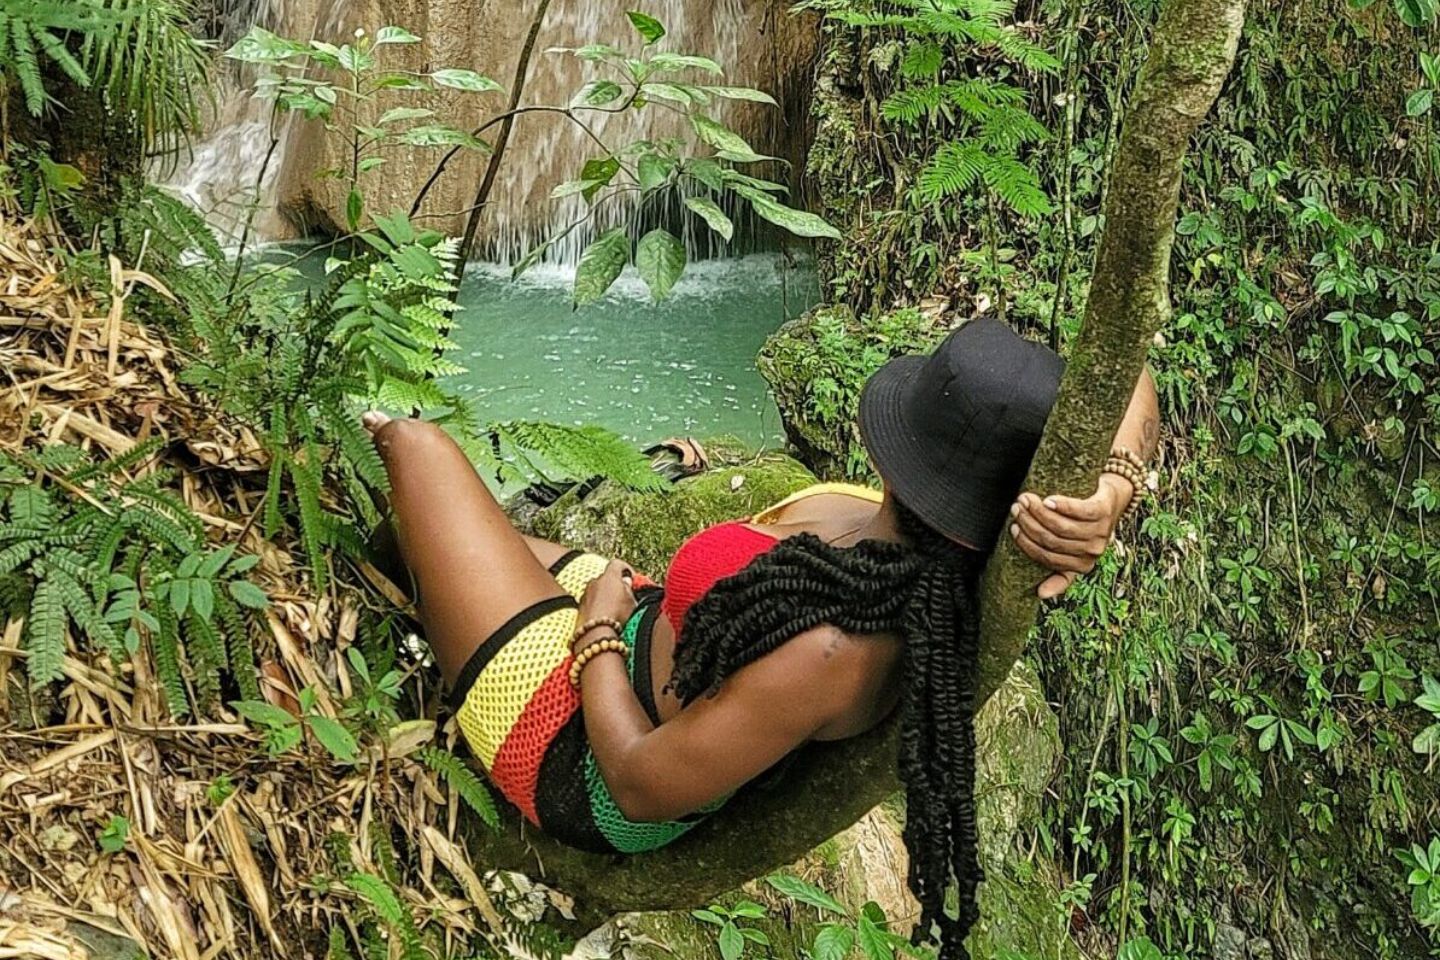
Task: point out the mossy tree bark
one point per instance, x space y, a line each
830 786
1191 53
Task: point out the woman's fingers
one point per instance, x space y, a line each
1054 559
1055 532
1055 584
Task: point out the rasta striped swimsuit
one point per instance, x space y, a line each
522 718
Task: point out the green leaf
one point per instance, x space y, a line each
600 92
873 942
1419 102
731 943
262 713
654 170
808 893
722 138
660 259
333 737
708 916
712 214
439 135
247 594
571 187
404 113
202 599
464 80
354 209
675 92
1139 949
1416 13
798 222
1430 66
394 35
741 93
647 26
684 61
833 942
113 837
600 265
599 171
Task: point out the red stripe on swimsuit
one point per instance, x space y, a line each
704 560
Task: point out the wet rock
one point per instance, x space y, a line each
1229 943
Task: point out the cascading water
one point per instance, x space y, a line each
224 177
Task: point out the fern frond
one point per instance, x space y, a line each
205 652
582 452
955 168
1017 186
165 643
462 779
45 633
305 473
236 632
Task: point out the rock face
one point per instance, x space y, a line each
1017 735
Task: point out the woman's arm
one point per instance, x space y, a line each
716 744
1068 535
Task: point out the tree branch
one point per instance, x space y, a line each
1191 53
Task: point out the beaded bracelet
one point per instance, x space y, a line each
583 658
589 625
1125 463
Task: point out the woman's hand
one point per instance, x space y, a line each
1068 535
609 596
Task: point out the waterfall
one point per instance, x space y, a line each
753 40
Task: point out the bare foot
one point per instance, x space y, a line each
373 420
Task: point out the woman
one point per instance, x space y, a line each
615 714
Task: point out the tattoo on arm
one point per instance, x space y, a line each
1150 431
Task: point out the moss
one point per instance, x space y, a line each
645 529
816 365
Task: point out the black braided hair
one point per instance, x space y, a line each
924 591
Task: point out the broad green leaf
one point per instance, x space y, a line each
438 135
873 942
722 137
731 943
749 909
394 35
370 163
1419 102
708 916
797 889
685 61
707 172
354 209
600 92
1430 66
676 92
710 211
333 736
202 599
247 594
654 170
571 187
464 80
600 264
741 93
660 260
833 942
1139 949
262 46
404 113
798 222
647 26
264 714
1416 13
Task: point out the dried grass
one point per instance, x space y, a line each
196 880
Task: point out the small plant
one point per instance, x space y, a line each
282 730
464 782
1427 741
1424 881
836 939
116 833
733 934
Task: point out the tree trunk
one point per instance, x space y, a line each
1191 53
830 786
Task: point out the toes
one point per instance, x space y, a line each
373 420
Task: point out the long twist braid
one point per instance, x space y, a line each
923 591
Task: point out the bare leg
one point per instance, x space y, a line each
473 569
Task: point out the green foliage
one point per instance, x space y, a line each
701 172
118 560
112 839
319 79
139 52
732 933
282 731
463 781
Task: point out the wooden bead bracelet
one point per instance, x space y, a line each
1127 464
583 658
589 625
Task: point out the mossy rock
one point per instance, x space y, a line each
816 366
645 529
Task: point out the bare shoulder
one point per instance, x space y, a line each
834 667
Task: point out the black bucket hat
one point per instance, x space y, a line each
953 433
